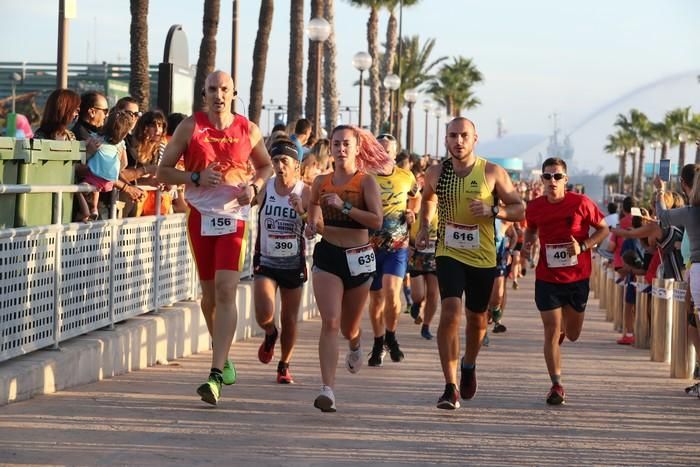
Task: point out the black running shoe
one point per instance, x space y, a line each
467 383
376 358
498 327
395 352
449 399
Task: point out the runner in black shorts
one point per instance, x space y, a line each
280 257
467 188
561 220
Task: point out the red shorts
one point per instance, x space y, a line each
219 252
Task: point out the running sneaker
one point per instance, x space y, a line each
407 310
556 395
283 374
229 373
210 392
523 272
487 340
353 360
693 390
515 285
395 351
415 311
267 348
696 372
449 399
498 327
468 384
627 339
325 401
425 332
376 358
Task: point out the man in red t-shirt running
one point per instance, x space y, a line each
562 221
219 147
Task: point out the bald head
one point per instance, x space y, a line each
460 138
219 91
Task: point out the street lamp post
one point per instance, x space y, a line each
392 82
318 31
438 113
682 139
427 107
621 175
361 61
410 96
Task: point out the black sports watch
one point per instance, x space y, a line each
195 178
495 210
583 246
347 206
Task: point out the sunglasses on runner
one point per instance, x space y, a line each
556 176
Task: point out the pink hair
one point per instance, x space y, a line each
372 157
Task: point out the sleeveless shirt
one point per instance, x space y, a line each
454 195
351 191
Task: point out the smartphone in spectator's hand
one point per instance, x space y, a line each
665 169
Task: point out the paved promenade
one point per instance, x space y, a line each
622 409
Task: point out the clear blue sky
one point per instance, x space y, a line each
536 57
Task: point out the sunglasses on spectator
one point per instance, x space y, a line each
105 110
386 136
136 114
556 176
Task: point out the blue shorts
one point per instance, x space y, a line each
389 262
630 291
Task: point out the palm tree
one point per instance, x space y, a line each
260 60
330 93
295 82
639 128
310 106
692 129
452 87
139 83
620 144
373 49
662 133
677 120
416 67
207 50
390 50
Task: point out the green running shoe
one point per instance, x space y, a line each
229 373
210 392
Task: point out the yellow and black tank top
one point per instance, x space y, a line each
454 195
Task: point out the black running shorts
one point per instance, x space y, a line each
549 295
456 278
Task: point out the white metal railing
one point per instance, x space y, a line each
62 280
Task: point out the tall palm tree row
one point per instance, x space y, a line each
416 65
677 120
295 82
207 50
260 60
639 128
621 144
139 82
453 85
317 7
373 50
330 92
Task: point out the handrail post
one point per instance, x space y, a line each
156 253
57 217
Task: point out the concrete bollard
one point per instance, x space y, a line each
682 352
618 304
595 260
642 317
661 320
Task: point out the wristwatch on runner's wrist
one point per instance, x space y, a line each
583 246
195 178
495 210
347 206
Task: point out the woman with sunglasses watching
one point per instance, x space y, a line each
561 220
344 205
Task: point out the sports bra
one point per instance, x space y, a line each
351 191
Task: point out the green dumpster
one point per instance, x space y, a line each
49 163
11 153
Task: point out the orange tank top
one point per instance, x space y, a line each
351 191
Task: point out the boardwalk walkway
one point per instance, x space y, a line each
622 409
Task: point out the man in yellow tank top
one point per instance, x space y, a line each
466 189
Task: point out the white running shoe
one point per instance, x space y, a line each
325 401
353 360
693 390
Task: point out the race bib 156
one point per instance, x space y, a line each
217 225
